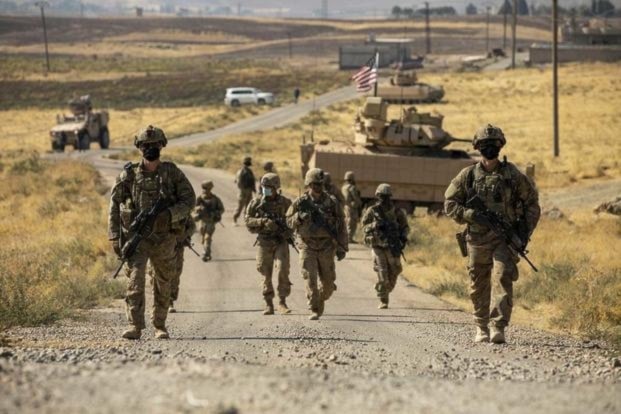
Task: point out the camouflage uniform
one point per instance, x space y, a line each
246 184
386 262
135 191
316 245
208 212
611 207
506 191
273 251
353 204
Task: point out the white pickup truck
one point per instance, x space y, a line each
242 96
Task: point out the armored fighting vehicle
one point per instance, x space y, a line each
80 128
404 88
408 153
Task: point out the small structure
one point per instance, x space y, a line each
390 50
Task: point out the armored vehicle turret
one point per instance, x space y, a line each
80 128
409 153
403 87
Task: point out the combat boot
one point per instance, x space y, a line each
482 334
320 307
383 303
282 306
161 333
498 335
132 333
171 308
269 307
206 257
314 316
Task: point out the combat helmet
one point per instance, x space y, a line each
349 176
149 135
268 166
207 185
489 132
247 160
314 176
383 190
270 180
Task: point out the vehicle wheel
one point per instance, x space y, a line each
261 101
235 103
104 139
84 141
60 144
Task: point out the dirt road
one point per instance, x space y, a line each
224 356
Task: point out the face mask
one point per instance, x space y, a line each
490 152
151 153
267 191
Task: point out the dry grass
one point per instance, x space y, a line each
52 260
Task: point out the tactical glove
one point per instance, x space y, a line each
116 247
269 225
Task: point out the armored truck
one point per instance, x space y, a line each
80 128
405 88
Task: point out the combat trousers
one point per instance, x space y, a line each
351 219
161 252
176 279
318 270
243 199
273 255
388 268
489 257
206 229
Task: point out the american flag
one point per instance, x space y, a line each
366 77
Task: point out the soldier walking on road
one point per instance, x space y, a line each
208 212
317 218
138 188
386 231
508 193
353 204
266 216
246 183
183 239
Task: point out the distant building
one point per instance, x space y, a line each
390 50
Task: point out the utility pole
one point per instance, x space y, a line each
487 30
504 26
427 28
513 33
42 5
555 75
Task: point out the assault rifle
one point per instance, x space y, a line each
284 230
390 231
501 228
317 219
187 242
141 228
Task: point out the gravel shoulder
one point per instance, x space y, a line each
224 356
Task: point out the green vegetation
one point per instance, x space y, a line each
52 261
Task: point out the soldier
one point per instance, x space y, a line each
265 216
136 190
353 204
208 212
506 191
246 184
611 207
386 232
318 221
332 190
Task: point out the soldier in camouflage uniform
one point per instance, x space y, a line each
353 204
510 193
246 183
265 216
611 207
386 231
318 244
183 239
332 190
208 212
137 189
